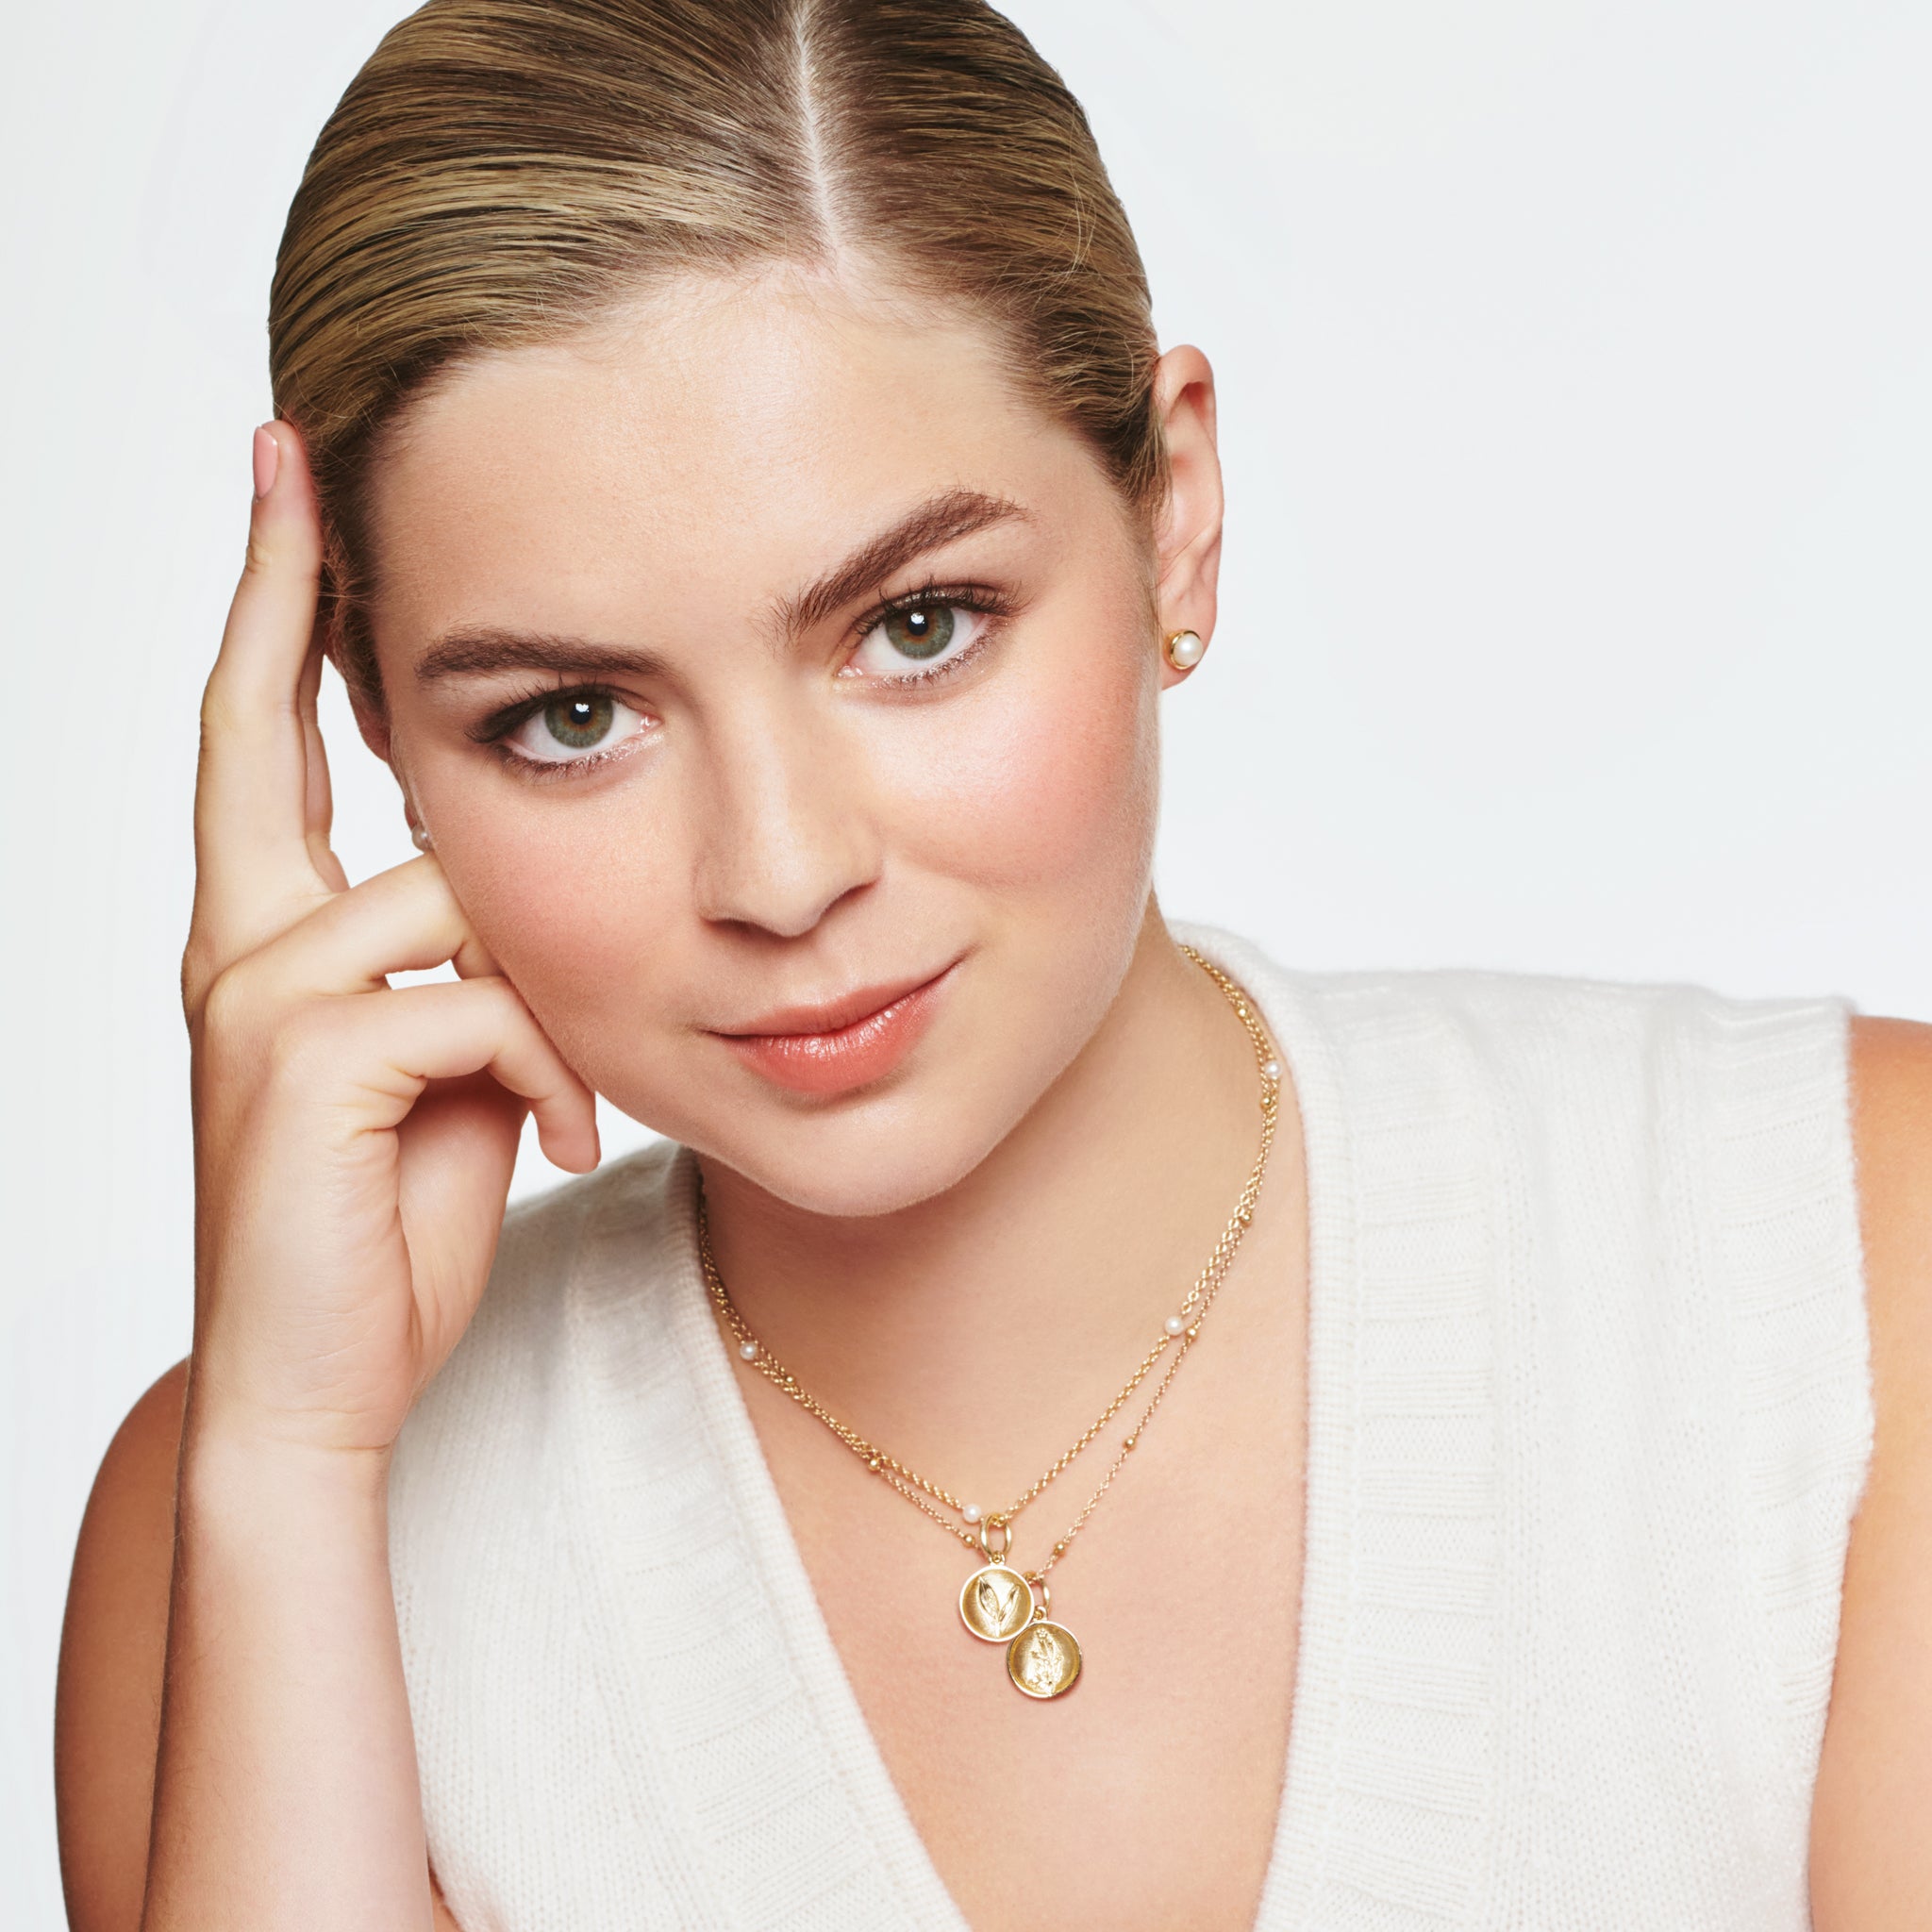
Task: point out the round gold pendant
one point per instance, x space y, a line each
996 1603
1044 1659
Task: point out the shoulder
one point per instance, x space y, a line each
1871 1870
1891 1069
107 1702
1892 1093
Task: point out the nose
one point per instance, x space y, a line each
783 834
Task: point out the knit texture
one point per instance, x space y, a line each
1588 1417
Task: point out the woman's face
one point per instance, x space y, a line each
778 688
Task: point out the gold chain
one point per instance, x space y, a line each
916 1488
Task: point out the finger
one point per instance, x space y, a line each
319 800
398 1043
405 919
253 796
456 1161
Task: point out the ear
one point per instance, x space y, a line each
1188 540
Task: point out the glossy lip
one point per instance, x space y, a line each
839 1045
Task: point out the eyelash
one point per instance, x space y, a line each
936 596
496 729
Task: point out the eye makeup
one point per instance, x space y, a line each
928 616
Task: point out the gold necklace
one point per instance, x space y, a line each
1000 1603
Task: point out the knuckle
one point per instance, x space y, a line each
198 973
230 1005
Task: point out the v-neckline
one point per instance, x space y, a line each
1300 1830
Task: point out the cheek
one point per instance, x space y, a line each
1042 780
571 901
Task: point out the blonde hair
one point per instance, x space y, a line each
501 172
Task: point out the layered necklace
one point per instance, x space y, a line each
1000 1602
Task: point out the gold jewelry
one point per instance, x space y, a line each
1184 649
1000 1603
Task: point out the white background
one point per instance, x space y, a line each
1577 366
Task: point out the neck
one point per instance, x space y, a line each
974 1333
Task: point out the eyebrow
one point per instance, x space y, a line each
939 520
476 650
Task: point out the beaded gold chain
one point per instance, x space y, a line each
999 1603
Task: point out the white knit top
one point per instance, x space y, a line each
1589 1415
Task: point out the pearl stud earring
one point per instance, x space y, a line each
1184 649
420 835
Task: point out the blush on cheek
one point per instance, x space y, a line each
1044 780
573 906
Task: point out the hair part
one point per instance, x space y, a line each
506 172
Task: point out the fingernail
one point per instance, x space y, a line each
268 459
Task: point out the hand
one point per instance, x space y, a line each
352 1141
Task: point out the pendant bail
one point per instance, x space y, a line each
1005 1530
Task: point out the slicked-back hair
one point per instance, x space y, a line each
503 172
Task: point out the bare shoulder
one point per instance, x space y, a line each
1870 1862
108 1705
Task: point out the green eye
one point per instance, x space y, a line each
923 631
580 722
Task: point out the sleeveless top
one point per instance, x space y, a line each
1588 1417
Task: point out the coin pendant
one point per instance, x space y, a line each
1044 1659
996 1603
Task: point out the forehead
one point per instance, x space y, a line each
716 440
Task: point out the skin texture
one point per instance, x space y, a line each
1870 1867
774 822
788 824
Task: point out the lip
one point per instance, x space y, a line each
840 1045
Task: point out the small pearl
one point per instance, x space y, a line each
749 1350
1271 1070
970 1511
1174 1325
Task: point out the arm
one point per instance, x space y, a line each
233 1739
1871 1855
107 1708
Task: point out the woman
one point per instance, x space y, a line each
724 449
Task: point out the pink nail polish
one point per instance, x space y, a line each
268 459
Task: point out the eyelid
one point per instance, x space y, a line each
495 732
991 614
506 718
968 596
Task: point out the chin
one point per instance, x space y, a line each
883 1177
871 1152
